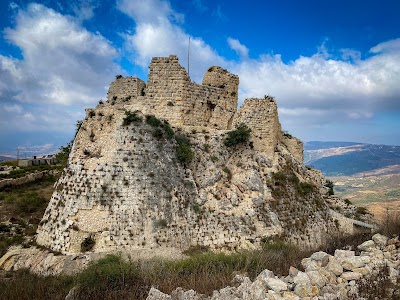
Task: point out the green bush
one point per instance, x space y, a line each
239 136
63 154
158 133
184 153
305 188
329 184
160 223
287 134
348 202
168 130
182 139
131 117
153 121
196 207
228 172
111 278
6 242
361 210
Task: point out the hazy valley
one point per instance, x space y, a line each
368 175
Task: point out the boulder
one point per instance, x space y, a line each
351 276
306 290
343 253
352 263
367 246
276 285
380 239
334 267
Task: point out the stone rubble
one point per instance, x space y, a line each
326 277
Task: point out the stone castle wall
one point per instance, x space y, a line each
295 147
170 94
133 194
124 89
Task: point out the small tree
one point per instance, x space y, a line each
184 152
239 136
329 184
131 117
63 154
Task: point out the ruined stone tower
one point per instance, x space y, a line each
125 189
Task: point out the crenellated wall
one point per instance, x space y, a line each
170 94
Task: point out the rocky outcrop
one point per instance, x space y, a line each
326 277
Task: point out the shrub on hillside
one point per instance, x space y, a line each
168 130
239 136
184 151
131 117
329 185
153 121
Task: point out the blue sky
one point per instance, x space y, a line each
333 67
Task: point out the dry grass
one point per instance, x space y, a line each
114 278
23 206
378 286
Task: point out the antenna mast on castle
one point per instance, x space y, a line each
189 57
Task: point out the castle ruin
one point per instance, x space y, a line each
124 189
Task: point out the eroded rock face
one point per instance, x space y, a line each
324 282
124 188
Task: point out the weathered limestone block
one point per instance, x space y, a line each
380 240
367 246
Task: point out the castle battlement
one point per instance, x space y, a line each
170 94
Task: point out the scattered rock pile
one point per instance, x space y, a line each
326 277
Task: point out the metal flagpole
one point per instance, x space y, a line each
189 57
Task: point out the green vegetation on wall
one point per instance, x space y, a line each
184 152
131 117
239 136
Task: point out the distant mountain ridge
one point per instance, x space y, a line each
348 158
317 145
6 158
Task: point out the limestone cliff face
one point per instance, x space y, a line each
125 188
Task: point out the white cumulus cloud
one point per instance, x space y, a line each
62 62
157 33
240 49
341 89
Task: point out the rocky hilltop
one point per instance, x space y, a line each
150 168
